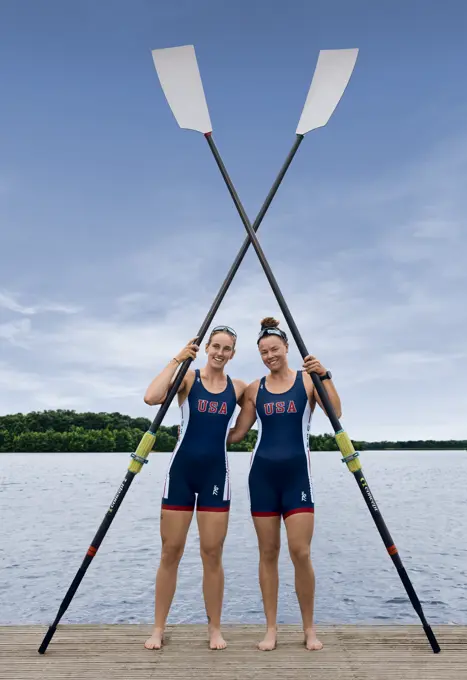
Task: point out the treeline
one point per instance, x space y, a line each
417 444
66 430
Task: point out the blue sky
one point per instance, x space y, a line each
116 230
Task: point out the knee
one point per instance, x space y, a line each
300 554
269 553
171 554
211 555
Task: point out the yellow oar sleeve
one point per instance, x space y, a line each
347 449
142 452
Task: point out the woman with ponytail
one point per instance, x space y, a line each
279 481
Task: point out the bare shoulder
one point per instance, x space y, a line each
240 384
185 387
240 387
252 390
307 381
189 378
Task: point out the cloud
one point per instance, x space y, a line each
16 380
377 290
9 301
16 332
23 391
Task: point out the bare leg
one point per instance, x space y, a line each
269 542
299 534
174 529
212 532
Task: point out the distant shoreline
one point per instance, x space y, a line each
331 451
65 431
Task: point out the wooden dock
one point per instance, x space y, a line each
116 652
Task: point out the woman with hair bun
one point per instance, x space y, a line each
198 474
279 481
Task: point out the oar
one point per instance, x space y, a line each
183 84
342 62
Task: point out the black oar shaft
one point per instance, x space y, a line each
368 496
274 285
394 554
99 537
90 554
226 284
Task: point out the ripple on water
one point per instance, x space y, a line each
32 587
382 617
396 600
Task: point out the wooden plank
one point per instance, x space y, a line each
116 652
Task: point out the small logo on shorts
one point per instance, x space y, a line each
215 491
303 496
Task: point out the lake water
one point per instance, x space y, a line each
52 504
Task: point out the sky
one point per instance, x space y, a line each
116 230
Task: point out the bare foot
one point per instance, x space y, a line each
216 641
268 643
156 640
311 641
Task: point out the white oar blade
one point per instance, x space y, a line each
180 80
332 73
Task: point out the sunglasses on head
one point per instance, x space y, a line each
272 331
225 329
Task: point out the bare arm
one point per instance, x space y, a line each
240 387
311 364
333 397
157 390
247 416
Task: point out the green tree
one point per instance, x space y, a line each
164 442
123 441
66 430
6 441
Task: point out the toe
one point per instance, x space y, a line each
314 645
153 643
266 646
218 644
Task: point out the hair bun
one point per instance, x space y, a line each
269 322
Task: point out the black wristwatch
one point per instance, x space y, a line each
326 376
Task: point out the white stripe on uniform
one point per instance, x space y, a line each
226 496
185 409
306 420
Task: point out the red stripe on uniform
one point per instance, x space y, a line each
266 514
204 508
177 507
294 512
